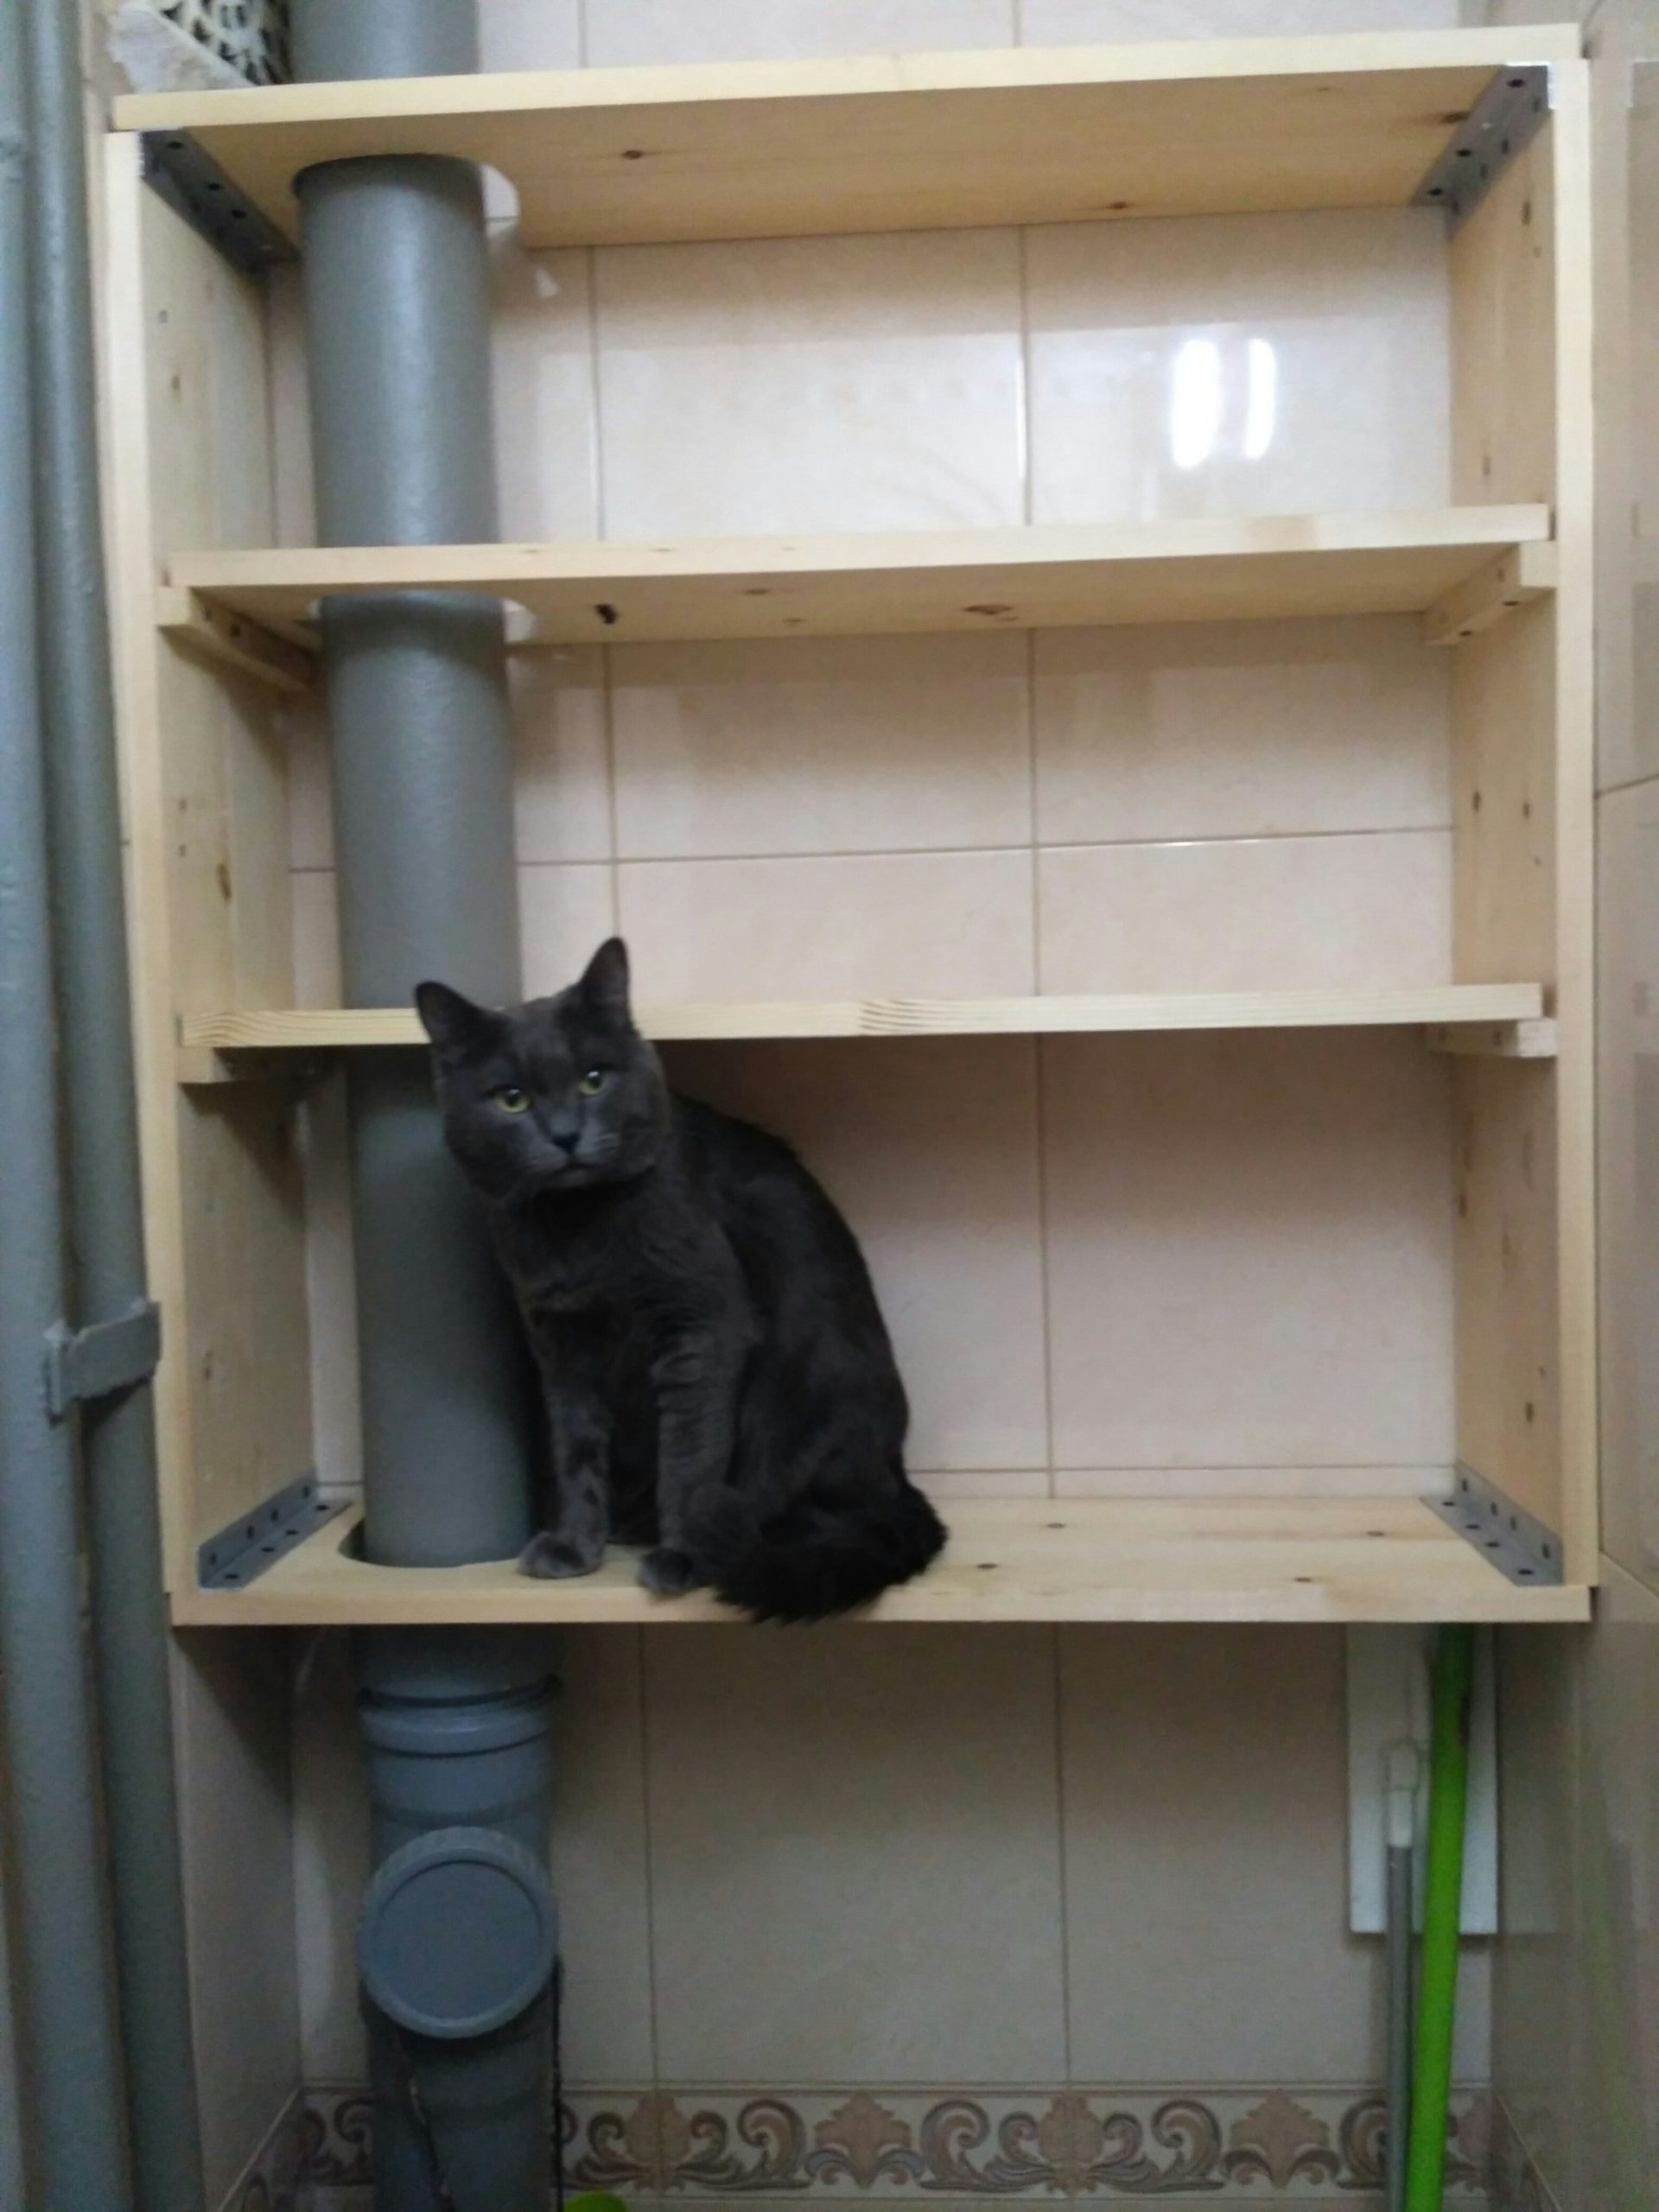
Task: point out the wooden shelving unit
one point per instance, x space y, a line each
1461 568
211 618
893 142
1497 1018
1295 1559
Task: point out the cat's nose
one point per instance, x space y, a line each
567 1139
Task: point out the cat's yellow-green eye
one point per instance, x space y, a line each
593 1082
511 1100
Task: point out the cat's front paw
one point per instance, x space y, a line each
669 1573
548 1558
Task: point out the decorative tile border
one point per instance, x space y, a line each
876 2146
1518 2184
275 2179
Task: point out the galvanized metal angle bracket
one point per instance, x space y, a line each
1518 1545
1509 114
246 1548
194 186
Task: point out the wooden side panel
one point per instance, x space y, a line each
1508 1312
206 801
1522 777
1503 364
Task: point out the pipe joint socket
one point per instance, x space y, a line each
458 1933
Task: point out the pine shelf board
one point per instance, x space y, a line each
1282 1559
893 141
614 592
1447 1004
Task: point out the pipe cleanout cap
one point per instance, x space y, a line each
458 1933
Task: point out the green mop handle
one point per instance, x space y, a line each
1431 2092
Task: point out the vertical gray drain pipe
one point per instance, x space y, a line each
455 1939
67 2015
118 1432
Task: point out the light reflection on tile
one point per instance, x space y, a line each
1254 364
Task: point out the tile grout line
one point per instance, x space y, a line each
643 1662
596 390
1062 1869
953 852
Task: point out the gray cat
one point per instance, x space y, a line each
719 1382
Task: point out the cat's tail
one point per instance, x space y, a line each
812 1559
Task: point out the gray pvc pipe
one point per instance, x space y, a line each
396 273
117 1434
68 2013
397 314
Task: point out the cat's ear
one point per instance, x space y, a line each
454 1023
604 985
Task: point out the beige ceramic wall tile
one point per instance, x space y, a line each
528 34
546 435
295 510
564 913
811 384
622 31
1206 1857
1250 1250
930 1146
601 1857
1629 1178
1616 2125
561 786
835 745
1060 22
331 1861
1251 913
904 925
231 1723
1240 729
1623 47
1537 2025
316 936
884 1903
331 1286
1253 364
1247 1482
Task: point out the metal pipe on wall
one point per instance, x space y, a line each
68 2009
397 289
100 1128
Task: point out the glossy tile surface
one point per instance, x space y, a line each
231 1735
528 34
564 913
547 446
561 780
837 745
1239 729
622 31
1617 2150
890 1788
896 925
1061 23
1249 913
1253 364
1206 1883
811 384
1628 929
1248 1243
